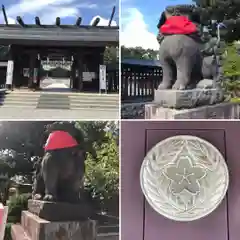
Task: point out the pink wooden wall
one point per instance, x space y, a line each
139 221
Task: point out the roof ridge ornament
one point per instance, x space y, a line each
4 14
20 21
112 15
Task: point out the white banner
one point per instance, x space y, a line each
9 77
102 77
3 220
88 76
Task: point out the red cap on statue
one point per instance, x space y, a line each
60 140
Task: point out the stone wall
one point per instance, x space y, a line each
133 110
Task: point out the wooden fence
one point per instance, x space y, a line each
139 81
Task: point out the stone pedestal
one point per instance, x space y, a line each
34 227
59 211
181 99
199 103
223 110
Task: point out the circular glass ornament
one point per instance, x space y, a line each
184 178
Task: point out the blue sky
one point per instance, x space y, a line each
68 10
139 20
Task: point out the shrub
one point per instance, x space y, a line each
7 235
15 207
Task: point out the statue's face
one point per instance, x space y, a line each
79 154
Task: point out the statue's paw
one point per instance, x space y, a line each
178 86
49 198
163 86
37 197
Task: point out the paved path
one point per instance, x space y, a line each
39 114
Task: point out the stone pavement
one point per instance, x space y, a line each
49 114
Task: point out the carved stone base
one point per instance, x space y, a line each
59 211
224 110
180 99
34 228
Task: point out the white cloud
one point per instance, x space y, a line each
47 10
134 32
103 21
11 20
50 16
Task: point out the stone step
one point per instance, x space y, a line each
64 93
18 106
14 102
19 99
23 98
56 106
17 233
105 101
94 105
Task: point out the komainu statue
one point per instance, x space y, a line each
59 173
182 50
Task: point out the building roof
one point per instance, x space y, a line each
141 62
63 35
58 34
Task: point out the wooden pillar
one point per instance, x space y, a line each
32 70
80 72
38 73
73 74
10 69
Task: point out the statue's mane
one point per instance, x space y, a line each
181 10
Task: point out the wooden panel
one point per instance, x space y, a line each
132 152
211 227
233 157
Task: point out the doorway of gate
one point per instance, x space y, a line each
56 75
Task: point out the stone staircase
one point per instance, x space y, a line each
59 100
19 99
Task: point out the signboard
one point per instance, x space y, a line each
9 77
26 72
88 76
3 220
52 64
102 78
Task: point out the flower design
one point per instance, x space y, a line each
184 176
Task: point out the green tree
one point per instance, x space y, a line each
111 55
226 11
138 53
231 63
231 69
102 173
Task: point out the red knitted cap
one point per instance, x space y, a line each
59 140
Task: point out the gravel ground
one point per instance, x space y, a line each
39 114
